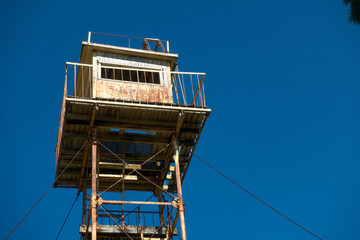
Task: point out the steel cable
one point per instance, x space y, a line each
45 191
62 226
242 188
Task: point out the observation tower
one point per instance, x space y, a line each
129 126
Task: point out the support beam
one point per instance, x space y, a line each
179 190
83 222
93 186
123 187
176 134
134 138
161 208
134 202
174 224
91 124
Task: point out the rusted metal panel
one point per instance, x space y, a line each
133 91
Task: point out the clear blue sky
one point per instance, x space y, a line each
282 81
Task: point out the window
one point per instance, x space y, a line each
130 75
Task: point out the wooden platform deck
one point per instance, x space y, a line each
135 131
111 232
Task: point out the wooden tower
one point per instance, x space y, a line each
129 125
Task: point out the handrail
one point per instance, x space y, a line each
139 69
187 87
130 37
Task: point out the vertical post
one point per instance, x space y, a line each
179 190
74 80
93 80
89 37
83 222
123 187
93 186
161 208
167 46
65 84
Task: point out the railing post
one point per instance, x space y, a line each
74 80
198 89
65 84
89 37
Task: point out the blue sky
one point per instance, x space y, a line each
282 81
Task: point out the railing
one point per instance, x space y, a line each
179 88
132 42
136 217
188 88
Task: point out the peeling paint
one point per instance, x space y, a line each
129 91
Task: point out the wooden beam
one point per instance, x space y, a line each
85 155
109 166
122 138
85 117
69 154
166 164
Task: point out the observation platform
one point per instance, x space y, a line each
138 103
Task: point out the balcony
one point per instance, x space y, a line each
135 85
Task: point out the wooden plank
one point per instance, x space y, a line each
122 138
110 166
118 176
137 120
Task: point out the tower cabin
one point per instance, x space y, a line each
129 125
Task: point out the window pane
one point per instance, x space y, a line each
103 73
149 78
133 76
141 76
130 75
117 74
126 75
156 77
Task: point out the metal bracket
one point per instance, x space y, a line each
100 200
176 203
93 201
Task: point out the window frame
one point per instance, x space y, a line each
132 72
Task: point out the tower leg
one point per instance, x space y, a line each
161 208
179 190
83 221
93 188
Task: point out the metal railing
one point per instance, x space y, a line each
132 42
188 88
136 217
183 88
